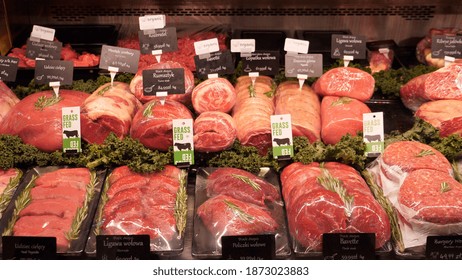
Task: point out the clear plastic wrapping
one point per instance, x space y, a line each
9 182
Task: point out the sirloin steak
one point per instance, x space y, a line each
214 131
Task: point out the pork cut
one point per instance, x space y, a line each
37 119
136 84
7 100
444 115
153 123
223 215
215 94
346 81
110 108
214 132
241 185
341 116
443 84
304 107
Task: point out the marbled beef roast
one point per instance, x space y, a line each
214 131
215 94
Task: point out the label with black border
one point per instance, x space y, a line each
50 50
351 45
165 80
248 247
8 68
447 247
303 64
348 246
29 248
446 45
47 71
126 60
265 63
164 39
220 63
122 247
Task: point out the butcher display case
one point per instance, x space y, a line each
86 26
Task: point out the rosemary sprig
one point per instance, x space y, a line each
148 110
7 194
444 187
424 153
271 92
245 217
44 101
103 200
247 180
387 206
21 202
333 184
104 89
181 204
252 92
82 212
341 101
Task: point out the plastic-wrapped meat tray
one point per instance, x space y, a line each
10 180
24 205
208 245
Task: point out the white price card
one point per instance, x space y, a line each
152 22
281 136
243 45
183 141
206 46
42 32
72 139
373 135
296 46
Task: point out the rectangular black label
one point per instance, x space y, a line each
303 64
248 247
265 63
125 59
54 71
43 49
29 248
348 45
163 80
8 68
444 248
122 247
348 246
446 45
220 63
163 39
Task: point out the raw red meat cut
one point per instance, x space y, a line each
152 124
427 195
241 185
380 61
7 100
223 215
346 81
110 108
330 198
41 126
444 115
78 178
213 132
215 94
341 116
136 84
304 107
443 84
252 112
5 177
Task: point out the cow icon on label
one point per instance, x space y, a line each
372 138
71 133
183 146
282 141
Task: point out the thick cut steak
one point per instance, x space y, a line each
346 81
223 215
444 115
304 107
152 124
214 131
216 94
341 116
41 126
136 84
7 100
110 108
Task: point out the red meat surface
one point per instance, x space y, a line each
216 94
6 176
7 100
213 132
78 177
442 114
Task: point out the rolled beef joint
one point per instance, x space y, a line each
7 100
213 132
216 94
110 108
37 119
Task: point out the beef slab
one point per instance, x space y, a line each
216 94
7 100
214 131
444 115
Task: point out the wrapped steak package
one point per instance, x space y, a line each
9 182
